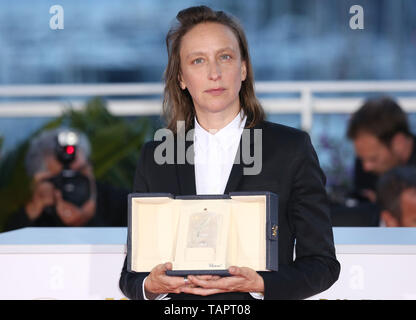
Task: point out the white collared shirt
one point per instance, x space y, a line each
214 155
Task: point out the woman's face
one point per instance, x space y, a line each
211 68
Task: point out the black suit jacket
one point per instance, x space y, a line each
290 168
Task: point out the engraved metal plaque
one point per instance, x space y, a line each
203 229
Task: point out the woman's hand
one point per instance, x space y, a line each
242 279
158 282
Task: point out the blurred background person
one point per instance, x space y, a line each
65 192
382 140
396 194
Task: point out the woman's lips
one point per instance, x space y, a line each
215 91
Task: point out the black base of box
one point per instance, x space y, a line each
184 273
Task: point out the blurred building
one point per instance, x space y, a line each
123 41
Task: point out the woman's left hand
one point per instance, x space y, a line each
242 279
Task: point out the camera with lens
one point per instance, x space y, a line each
74 186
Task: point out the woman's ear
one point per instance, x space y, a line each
243 70
181 82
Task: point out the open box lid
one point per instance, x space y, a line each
235 229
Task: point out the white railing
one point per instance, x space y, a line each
306 102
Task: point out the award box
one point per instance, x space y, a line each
202 234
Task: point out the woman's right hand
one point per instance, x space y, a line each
158 282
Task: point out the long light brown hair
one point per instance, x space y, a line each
177 103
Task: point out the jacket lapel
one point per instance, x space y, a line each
185 172
237 170
236 173
186 179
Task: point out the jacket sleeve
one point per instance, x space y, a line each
131 282
315 267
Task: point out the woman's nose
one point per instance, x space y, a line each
214 72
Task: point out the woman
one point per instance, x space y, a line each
209 86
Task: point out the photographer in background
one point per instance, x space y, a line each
65 192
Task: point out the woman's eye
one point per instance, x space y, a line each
197 61
225 57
